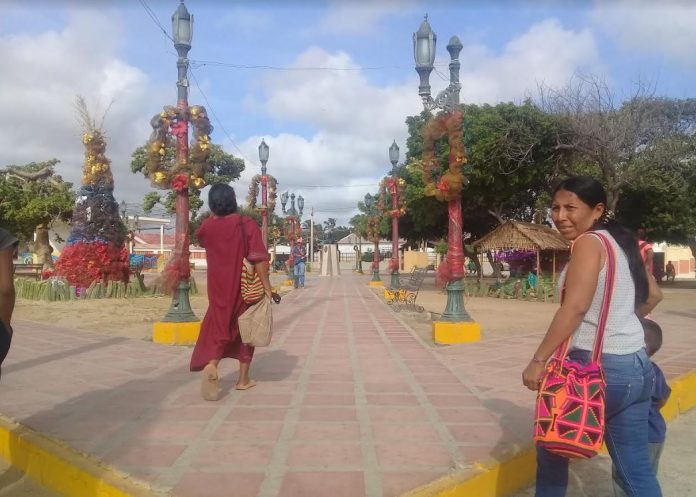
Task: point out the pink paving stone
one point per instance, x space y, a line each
327 399
238 455
210 484
328 414
395 484
331 377
188 413
327 431
263 431
465 415
449 400
387 387
332 387
426 379
172 431
257 414
264 399
401 414
421 432
325 455
152 455
486 434
410 454
333 484
392 399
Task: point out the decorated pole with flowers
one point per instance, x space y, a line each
393 187
187 171
455 326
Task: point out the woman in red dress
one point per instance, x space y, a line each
223 237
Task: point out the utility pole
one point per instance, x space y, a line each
311 237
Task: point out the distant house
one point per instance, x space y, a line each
159 243
347 244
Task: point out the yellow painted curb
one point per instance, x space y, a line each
63 470
376 283
503 478
449 332
175 333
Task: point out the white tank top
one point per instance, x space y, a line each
623 333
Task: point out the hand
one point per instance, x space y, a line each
532 375
269 292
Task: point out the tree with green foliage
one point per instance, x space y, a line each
32 198
224 168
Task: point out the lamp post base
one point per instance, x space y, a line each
375 276
169 333
180 310
450 332
394 284
454 310
376 283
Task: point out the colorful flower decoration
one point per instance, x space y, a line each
388 187
448 185
272 190
173 122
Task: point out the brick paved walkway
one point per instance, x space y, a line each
350 402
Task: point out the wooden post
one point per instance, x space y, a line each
538 268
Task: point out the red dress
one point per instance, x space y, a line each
224 247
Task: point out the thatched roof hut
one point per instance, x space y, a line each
513 235
516 235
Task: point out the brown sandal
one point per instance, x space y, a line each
210 386
249 385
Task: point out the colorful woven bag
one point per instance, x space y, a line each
569 416
251 285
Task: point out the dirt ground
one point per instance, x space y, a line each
130 318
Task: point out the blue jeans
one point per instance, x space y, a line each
630 381
299 272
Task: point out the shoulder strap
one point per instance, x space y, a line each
609 280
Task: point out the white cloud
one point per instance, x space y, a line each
361 16
355 124
37 94
356 121
664 29
547 53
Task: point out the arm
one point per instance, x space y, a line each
258 254
7 290
580 285
654 296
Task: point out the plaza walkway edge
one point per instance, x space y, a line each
498 479
59 468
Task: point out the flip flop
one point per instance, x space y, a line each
210 386
249 385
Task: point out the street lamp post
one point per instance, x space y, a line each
456 325
292 221
394 190
263 157
182 30
373 221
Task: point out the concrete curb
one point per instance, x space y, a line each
498 479
62 469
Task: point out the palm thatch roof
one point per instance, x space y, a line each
513 235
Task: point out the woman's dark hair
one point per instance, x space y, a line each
222 200
591 192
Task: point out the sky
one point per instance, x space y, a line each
327 84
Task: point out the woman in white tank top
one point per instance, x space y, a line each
579 206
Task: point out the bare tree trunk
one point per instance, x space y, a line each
42 247
494 264
474 257
692 246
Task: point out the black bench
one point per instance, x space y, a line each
405 295
29 270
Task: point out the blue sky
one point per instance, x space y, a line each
324 126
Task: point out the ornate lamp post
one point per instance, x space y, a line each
456 325
292 221
182 31
395 213
263 157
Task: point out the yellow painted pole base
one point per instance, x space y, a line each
450 332
288 283
175 333
376 283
